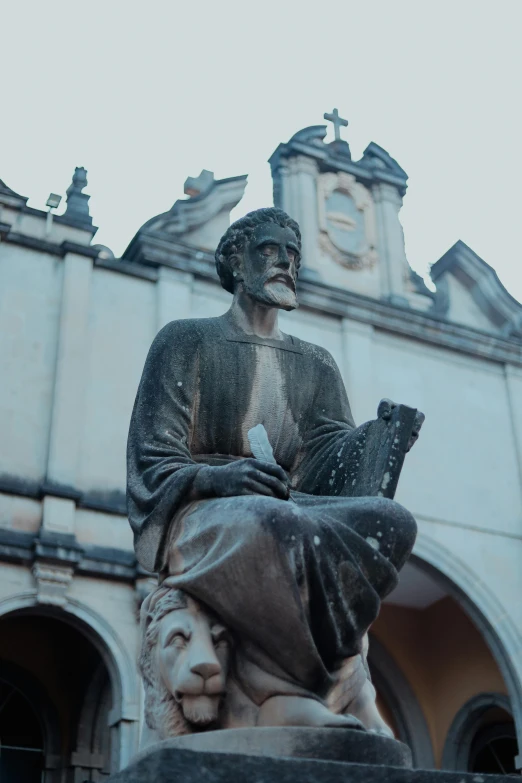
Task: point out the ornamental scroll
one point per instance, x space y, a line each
347 221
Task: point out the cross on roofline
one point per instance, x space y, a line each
337 121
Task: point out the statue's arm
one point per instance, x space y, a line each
329 430
160 469
338 458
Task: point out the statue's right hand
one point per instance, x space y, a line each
241 477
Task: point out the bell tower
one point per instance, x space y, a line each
348 212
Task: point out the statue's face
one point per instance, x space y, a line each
192 658
269 266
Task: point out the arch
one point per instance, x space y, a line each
125 712
45 712
93 740
397 692
484 609
464 726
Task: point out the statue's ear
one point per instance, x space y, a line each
236 266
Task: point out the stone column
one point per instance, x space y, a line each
305 178
174 295
513 376
357 368
392 252
71 379
295 191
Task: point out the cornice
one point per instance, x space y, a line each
154 251
51 248
87 560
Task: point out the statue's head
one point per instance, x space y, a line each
261 254
184 661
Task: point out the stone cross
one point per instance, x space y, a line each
337 121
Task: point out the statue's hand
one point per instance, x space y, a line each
241 477
384 411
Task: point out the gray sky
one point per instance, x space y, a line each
145 94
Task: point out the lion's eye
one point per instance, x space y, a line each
178 640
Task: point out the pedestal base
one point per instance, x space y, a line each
165 763
358 747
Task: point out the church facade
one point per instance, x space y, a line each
76 324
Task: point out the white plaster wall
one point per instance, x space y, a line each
464 468
116 603
30 290
366 281
20 513
463 309
209 300
108 530
122 325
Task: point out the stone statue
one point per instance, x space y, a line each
280 553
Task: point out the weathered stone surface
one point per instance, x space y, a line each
346 745
304 507
165 765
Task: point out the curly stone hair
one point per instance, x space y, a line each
236 236
160 602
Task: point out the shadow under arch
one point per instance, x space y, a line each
398 694
483 608
125 713
45 712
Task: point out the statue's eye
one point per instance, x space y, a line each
269 250
292 255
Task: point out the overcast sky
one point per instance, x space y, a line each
144 94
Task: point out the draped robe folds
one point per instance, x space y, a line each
299 581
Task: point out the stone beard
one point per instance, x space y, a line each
296 580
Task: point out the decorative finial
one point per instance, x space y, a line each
78 202
337 121
195 186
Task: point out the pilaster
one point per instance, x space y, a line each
392 252
174 295
71 373
304 175
513 378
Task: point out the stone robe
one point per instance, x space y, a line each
299 581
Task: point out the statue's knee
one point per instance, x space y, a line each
400 530
406 523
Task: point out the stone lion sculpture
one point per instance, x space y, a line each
184 662
188 663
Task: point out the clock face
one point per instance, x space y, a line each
345 223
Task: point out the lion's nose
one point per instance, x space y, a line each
206 669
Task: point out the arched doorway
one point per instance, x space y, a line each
21 737
482 737
432 658
52 675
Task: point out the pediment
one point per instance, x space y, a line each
10 197
376 157
470 292
202 218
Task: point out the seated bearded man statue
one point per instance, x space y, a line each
292 566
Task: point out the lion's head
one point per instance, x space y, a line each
184 662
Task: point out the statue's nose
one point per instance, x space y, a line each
206 668
283 260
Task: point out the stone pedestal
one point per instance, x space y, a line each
345 745
166 763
